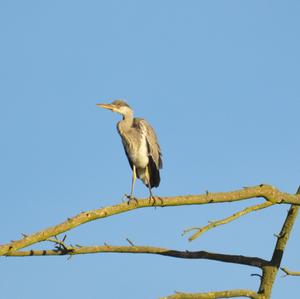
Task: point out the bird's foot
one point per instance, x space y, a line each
154 199
130 198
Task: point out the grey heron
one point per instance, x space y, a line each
140 145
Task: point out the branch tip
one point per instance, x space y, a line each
213 224
289 272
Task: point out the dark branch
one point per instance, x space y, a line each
236 259
270 271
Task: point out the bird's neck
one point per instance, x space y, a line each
127 119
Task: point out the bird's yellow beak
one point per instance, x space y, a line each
106 106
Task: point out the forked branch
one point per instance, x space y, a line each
289 272
267 192
270 271
269 268
213 224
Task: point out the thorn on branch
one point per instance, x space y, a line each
60 245
187 230
69 257
279 236
130 242
255 274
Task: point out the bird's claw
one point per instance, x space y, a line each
130 199
154 200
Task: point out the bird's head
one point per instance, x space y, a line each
118 106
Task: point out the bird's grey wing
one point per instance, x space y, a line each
127 155
125 146
154 150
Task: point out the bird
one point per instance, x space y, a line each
141 146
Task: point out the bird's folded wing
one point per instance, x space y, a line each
153 147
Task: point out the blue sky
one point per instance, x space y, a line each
219 81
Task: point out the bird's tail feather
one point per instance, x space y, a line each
152 176
153 173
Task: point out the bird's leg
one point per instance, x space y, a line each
151 197
133 180
131 197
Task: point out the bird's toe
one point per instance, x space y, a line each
130 199
155 200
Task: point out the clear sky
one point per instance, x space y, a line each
218 80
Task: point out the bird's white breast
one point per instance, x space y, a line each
140 157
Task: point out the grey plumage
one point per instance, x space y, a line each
140 145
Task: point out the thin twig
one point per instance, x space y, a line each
57 241
289 272
60 245
130 242
213 224
215 295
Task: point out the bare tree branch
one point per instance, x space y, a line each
270 271
289 272
269 268
265 191
215 295
72 250
214 224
